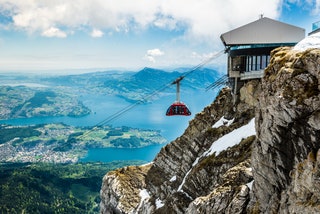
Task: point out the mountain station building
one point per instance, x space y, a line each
249 46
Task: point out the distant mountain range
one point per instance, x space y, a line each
151 79
135 85
58 95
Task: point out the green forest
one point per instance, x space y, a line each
53 188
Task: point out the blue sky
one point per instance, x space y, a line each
71 35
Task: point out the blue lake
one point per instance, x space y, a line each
146 116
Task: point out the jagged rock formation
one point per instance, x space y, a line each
122 191
182 177
221 164
287 121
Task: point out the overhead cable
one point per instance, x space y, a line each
149 96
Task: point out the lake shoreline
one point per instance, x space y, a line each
149 116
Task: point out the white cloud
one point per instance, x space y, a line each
197 19
96 33
188 25
316 7
151 54
155 52
54 32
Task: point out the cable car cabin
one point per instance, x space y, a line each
179 109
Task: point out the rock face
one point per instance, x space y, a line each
185 177
287 121
226 163
123 190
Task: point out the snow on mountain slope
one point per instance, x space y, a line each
312 41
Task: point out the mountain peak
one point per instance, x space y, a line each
149 72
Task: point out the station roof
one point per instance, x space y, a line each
263 31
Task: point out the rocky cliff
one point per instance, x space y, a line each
284 158
256 155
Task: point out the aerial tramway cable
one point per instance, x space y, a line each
219 82
148 97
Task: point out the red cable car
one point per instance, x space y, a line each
178 108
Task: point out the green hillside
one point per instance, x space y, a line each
53 188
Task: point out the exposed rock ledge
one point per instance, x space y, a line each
273 170
123 190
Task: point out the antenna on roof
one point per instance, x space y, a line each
261 15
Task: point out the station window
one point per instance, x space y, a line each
255 63
250 63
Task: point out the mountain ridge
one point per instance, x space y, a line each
135 86
149 80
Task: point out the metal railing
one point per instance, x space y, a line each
252 75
